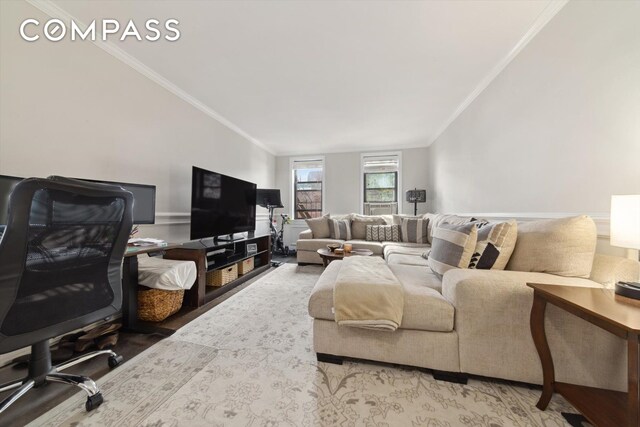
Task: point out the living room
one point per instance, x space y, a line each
521 111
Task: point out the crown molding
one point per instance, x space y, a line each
540 22
53 10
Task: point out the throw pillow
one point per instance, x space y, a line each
414 230
436 219
565 246
383 233
495 245
340 229
452 247
319 227
359 225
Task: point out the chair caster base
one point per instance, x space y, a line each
93 402
115 361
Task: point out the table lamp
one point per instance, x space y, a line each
625 233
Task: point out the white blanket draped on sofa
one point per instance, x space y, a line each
368 295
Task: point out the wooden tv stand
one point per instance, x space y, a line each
202 253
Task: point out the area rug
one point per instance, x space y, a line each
250 362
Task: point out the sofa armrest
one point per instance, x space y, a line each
492 315
608 270
306 234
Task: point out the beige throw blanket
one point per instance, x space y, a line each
368 295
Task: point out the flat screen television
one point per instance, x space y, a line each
7 184
221 205
144 199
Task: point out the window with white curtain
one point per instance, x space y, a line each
381 183
308 186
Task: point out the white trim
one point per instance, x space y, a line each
375 154
55 11
601 219
292 160
543 19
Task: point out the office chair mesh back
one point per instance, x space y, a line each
66 272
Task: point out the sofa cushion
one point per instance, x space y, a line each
315 244
424 307
495 245
408 259
392 248
319 227
414 230
383 233
452 247
397 218
359 225
340 229
375 247
564 246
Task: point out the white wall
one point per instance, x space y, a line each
71 109
343 184
558 131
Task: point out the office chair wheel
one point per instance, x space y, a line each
93 402
115 361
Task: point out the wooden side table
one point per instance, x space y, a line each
598 306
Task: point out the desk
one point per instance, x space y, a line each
598 306
130 322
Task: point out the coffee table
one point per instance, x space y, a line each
600 307
328 256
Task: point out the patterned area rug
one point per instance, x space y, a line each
250 362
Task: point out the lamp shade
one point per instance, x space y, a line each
625 221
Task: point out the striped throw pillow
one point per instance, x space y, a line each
340 229
452 247
414 230
383 233
495 245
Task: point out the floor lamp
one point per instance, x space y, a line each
416 196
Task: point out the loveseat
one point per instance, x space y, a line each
477 321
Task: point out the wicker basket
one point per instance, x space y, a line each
222 276
245 266
155 305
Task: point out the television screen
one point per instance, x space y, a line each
7 184
144 200
220 204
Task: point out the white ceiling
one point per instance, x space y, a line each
329 76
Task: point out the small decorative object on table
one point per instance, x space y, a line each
333 246
347 247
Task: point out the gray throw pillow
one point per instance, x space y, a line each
319 227
340 229
452 247
414 230
383 233
359 225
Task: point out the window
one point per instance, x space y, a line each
308 183
380 182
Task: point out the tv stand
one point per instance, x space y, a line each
210 255
228 238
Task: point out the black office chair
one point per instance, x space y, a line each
60 270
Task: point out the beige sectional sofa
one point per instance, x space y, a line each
477 321
307 245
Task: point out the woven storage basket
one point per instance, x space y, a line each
245 266
222 276
155 305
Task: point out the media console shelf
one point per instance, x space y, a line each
210 255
